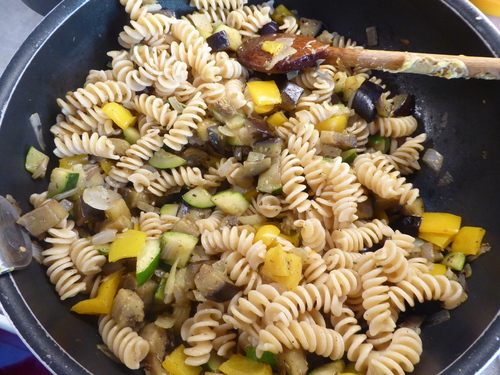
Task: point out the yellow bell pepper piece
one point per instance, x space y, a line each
273 47
250 194
263 109
438 239
127 245
468 240
106 166
439 222
241 365
336 124
70 161
294 239
279 14
351 84
102 303
267 233
264 93
438 269
174 363
282 267
120 115
277 119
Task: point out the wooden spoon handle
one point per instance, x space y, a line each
446 66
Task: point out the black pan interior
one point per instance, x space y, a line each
460 116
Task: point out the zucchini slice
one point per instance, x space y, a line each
198 197
177 245
62 180
147 260
165 160
34 159
169 209
231 202
270 180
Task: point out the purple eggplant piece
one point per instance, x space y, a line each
365 100
261 126
217 140
270 28
219 41
310 27
290 95
404 104
407 224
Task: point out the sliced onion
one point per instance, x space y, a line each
433 159
372 36
437 318
37 249
66 194
252 219
36 123
106 236
100 198
41 169
165 321
146 207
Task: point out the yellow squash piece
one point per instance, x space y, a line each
241 365
267 233
120 115
468 240
438 269
264 93
174 363
70 161
440 222
273 47
277 119
438 239
282 267
102 303
263 109
127 245
336 124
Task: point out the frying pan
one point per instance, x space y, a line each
461 118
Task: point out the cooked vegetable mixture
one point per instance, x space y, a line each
219 221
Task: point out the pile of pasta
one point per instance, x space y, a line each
348 301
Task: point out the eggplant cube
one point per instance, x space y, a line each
310 27
219 41
365 100
290 95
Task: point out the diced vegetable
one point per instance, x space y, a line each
120 115
280 12
103 302
255 167
468 240
62 180
365 100
177 245
269 28
43 217
403 105
407 224
175 363
282 267
438 269
379 143
263 109
267 234
267 357
273 47
70 161
270 180
310 27
219 41
437 222
165 160
214 285
340 140
348 156
233 35
118 209
240 365
131 134
277 119
198 197
147 260
290 95
214 363
454 260
127 245
335 123
438 239
231 202
294 361
433 159
264 93
35 159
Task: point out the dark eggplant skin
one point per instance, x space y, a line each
214 285
290 95
404 105
407 224
270 28
365 100
219 41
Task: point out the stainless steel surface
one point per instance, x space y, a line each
16 23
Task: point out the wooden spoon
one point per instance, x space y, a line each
304 52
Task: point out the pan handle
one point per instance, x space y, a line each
42 7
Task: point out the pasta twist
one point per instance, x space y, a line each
293 182
240 271
97 94
148 29
180 176
267 205
211 223
126 344
155 108
364 234
85 257
125 71
396 126
181 129
198 331
311 337
93 145
136 8
405 157
217 4
249 19
312 233
154 225
392 261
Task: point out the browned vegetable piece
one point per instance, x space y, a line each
146 291
187 225
310 27
128 308
43 218
194 156
290 95
158 340
85 213
214 285
340 140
